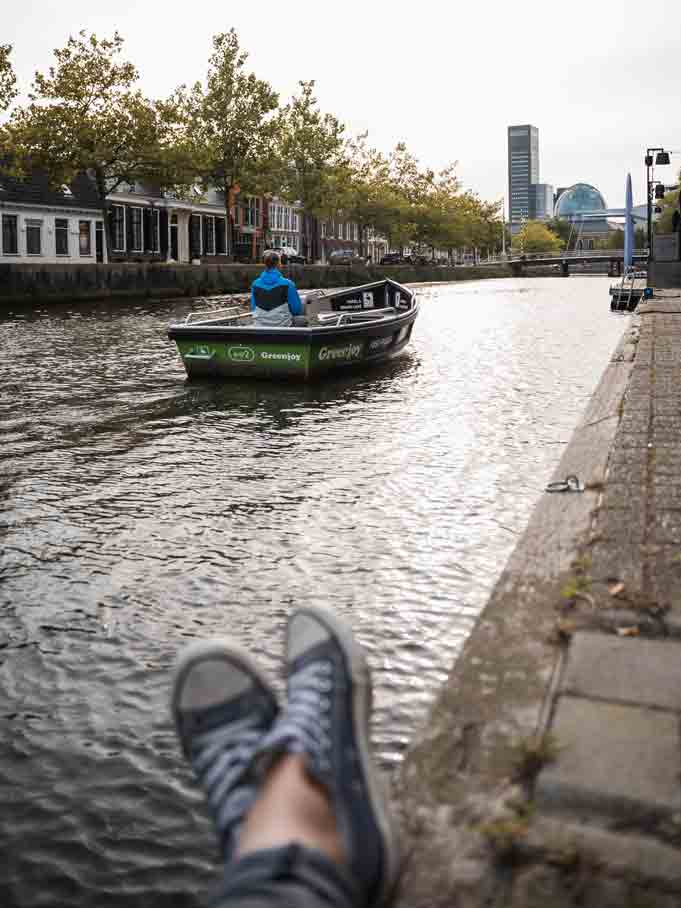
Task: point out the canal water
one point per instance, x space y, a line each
138 512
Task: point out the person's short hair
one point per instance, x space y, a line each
271 259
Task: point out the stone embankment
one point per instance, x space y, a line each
549 772
66 283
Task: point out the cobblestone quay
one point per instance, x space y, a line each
549 773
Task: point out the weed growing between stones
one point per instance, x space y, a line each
534 753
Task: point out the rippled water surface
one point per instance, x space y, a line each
138 511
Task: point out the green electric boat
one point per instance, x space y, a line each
341 329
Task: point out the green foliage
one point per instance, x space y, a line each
615 240
309 148
667 204
536 237
8 80
228 127
562 228
85 114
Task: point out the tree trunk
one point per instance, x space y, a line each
229 226
100 184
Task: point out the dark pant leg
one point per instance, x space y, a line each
288 877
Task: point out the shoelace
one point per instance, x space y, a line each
305 725
221 758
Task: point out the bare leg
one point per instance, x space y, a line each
291 807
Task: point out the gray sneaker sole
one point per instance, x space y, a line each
362 704
217 648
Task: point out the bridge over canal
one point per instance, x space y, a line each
614 257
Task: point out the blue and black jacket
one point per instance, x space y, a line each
274 299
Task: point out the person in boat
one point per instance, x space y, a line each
293 788
274 299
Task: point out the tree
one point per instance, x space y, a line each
615 240
86 115
363 192
536 237
667 204
309 148
8 80
228 127
562 228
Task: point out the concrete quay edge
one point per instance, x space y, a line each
27 285
549 769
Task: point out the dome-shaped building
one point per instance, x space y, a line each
579 199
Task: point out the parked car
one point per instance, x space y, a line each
393 258
345 257
287 255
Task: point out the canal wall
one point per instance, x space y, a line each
35 283
548 772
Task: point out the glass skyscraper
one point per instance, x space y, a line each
523 171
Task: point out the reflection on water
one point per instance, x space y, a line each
138 511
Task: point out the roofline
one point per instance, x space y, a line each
46 206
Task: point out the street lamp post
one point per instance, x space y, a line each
661 158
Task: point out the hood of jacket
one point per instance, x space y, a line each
271 277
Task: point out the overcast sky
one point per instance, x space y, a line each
601 79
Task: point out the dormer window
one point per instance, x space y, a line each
66 190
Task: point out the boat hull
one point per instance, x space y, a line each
301 354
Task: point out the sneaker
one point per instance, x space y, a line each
327 720
223 705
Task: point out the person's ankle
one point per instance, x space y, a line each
291 808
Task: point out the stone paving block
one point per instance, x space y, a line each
627 525
634 421
625 670
667 405
637 858
634 472
631 440
665 460
541 886
666 528
637 401
665 577
625 494
628 456
666 495
620 760
613 560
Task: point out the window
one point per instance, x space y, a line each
61 236
195 235
155 233
84 237
287 218
136 229
34 230
220 236
210 235
118 229
295 226
252 212
341 232
10 238
323 230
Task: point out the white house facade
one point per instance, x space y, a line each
42 225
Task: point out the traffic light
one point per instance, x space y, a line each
659 191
